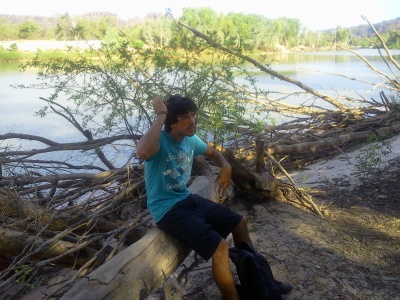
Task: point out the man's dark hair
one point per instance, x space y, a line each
178 105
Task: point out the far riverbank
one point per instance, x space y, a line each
34 45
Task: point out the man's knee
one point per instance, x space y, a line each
241 233
222 249
242 226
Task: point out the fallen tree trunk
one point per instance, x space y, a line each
134 272
137 270
259 185
333 142
14 207
143 266
320 144
13 243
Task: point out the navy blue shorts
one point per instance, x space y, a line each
200 223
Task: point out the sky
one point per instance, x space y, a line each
313 14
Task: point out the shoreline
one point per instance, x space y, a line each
35 45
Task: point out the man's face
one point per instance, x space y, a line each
185 126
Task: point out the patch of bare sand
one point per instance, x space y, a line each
34 45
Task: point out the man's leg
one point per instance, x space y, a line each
241 233
222 271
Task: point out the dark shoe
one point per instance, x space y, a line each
283 287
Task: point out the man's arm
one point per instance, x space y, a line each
224 176
148 144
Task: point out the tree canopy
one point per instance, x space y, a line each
245 31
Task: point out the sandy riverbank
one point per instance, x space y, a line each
34 45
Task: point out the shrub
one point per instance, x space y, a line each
370 159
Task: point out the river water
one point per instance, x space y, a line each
18 107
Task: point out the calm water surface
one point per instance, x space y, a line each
18 107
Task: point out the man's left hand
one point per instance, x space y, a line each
224 179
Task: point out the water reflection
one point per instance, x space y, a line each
319 57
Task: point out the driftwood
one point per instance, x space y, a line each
12 206
134 272
329 143
257 184
13 243
143 266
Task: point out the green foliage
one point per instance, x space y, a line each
67 28
112 37
54 54
10 54
342 36
157 31
112 95
13 47
24 277
393 39
361 42
370 159
137 44
28 30
245 32
8 30
289 30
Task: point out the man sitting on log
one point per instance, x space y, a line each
201 223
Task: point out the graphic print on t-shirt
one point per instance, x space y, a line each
178 170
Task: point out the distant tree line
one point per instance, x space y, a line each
244 31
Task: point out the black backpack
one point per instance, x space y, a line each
256 279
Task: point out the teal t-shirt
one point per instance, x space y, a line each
168 171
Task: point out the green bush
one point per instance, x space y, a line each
13 47
10 54
137 44
370 160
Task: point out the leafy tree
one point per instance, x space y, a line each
112 96
393 40
157 30
265 36
99 29
204 19
289 32
10 54
13 47
242 28
7 30
342 35
243 31
134 32
70 29
28 30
